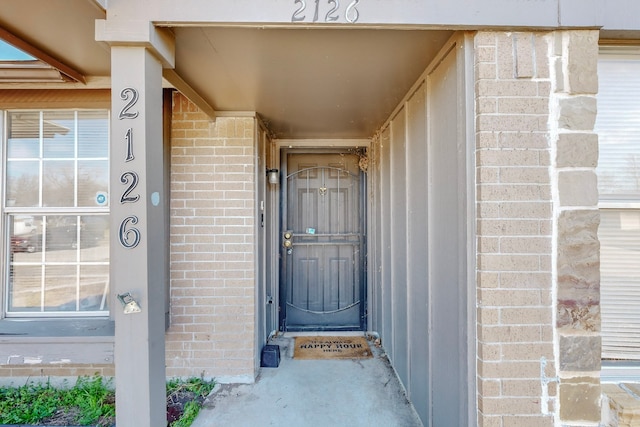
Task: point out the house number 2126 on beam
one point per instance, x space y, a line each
128 235
329 8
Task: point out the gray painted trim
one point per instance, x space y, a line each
384 174
611 14
467 80
4 276
37 343
261 309
60 327
374 239
56 342
140 337
167 113
52 352
272 222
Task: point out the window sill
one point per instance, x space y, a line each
56 342
82 327
618 372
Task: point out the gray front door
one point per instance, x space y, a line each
322 243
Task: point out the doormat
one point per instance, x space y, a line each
331 348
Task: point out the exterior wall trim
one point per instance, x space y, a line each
506 14
468 93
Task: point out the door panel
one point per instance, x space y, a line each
323 281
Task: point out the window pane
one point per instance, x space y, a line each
94 238
93 183
58 183
23 135
618 126
94 288
61 238
23 183
93 134
23 224
26 237
59 136
619 236
60 288
25 287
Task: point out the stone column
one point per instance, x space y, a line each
138 237
576 219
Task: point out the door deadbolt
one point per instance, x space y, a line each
287 241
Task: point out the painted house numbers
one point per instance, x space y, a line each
325 11
128 234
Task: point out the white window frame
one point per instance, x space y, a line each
8 211
620 370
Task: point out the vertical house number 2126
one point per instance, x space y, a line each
128 234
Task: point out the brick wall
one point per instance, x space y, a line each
514 228
538 258
212 245
18 374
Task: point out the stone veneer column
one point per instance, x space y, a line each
576 219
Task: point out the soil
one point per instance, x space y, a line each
176 402
68 418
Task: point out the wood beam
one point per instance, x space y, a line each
18 43
174 78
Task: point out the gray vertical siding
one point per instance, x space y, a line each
423 223
417 251
374 242
447 244
385 215
399 237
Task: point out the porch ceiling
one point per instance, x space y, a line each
305 82
64 30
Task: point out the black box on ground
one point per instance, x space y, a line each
270 356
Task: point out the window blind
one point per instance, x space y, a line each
618 127
620 283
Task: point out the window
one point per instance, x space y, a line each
56 213
618 126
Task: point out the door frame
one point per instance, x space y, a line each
363 244
280 149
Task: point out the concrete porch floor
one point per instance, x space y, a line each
310 393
